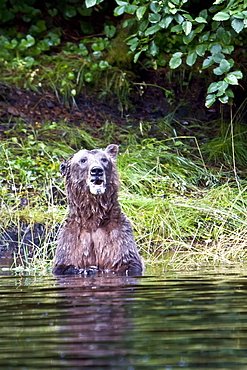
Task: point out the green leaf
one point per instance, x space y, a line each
121 2
11 45
199 28
165 22
90 3
103 64
228 49
224 66
119 10
222 86
71 75
85 12
239 15
140 12
161 61
204 37
200 20
98 46
237 25
29 61
143 25
191 58
231 79
230 93
53 12
215 48
139 53
210 100
223 35
88 77
132 40
175 60
153 29
134 43
171 5
70 11
130 8
129 22
218 57
203 14
207 62
154 18
218 71
201 49
136 57
217 2
27 43
179 18
221 16
155 6
110 31
237 74
153 49
224 99
212 87
177 28
187 27
187 39
188 16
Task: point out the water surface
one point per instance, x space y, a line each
163 320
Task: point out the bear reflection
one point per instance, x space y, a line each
94 331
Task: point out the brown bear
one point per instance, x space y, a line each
96 236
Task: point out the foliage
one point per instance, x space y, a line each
173 27
166 33
208 37
33 49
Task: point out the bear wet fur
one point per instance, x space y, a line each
96 236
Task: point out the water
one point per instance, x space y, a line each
163 320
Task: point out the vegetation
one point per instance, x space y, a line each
164 34
183 213
186 208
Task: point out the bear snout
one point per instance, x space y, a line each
96 171
97 182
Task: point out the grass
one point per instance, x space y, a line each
184 214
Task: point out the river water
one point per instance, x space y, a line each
162 320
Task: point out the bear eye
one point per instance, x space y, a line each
83 160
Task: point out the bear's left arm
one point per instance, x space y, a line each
123 240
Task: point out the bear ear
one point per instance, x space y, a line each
64 168
112 150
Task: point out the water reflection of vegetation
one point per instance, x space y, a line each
193 319
182 212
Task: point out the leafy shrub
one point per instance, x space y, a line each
168 33
205 40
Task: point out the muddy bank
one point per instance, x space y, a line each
151 98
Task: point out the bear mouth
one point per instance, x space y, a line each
97 186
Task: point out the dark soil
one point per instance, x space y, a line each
146 103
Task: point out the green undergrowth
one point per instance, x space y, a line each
66 75
183 213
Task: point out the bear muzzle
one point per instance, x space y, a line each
97 180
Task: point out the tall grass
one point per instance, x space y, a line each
183 214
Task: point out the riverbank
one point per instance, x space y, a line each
184 211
